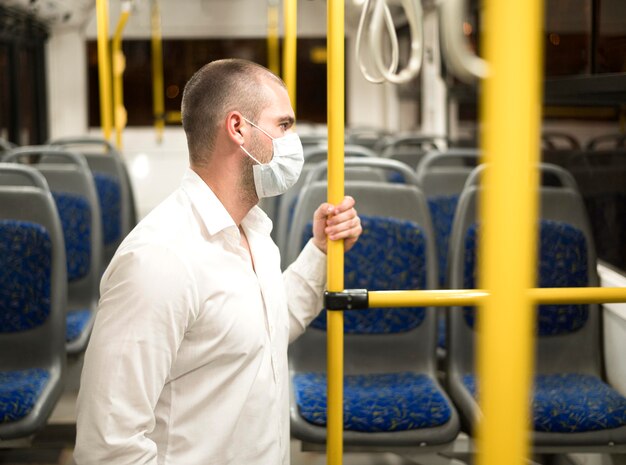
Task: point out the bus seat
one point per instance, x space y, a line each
572 404
442 176
607 141
315 151
320 153
409 150
374 169
312 140
32 303
74 192
389 353
601 178
558 140
5 145
285 203
365 136
115 192
409 143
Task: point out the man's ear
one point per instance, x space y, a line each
236 127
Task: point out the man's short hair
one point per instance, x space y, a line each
216 89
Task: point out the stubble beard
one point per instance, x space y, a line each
246 180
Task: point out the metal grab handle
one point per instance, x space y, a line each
461 61
360 37
381 14
414 14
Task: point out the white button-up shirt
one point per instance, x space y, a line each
187 362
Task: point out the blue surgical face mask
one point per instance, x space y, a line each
283 170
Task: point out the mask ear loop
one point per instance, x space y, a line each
249 154
260 129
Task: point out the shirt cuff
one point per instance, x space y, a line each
311 264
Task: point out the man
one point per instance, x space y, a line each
187 363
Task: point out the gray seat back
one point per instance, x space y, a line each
405 143
445 172
107 166
283 205
561 204
442 175
38 345
396 251
607 141
365 136
371 353
72 184
320 153
557 140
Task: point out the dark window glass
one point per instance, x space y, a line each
23 114
611 37
27 107
181 58
5 92
601 178
567 37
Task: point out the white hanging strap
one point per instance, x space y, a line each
462 62
373 15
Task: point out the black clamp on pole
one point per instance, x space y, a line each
348 299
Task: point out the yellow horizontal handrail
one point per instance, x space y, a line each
426 298
578 295
461 297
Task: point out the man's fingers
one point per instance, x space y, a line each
345 229
346 204
324 210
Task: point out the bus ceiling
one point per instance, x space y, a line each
56 12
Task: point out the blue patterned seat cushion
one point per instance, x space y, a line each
25 264
376 402
442 210
389 255
396 177
110 200
562 263
19 391
75 215
571 403
76 320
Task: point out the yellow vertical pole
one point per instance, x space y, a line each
336 78
273 55
158 102
290 12
119 64
104 67
511 107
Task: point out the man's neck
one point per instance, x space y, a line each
225 188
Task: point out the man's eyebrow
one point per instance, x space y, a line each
287 119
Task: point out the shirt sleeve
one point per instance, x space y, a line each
305 280
147 301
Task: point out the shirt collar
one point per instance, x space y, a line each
213 214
